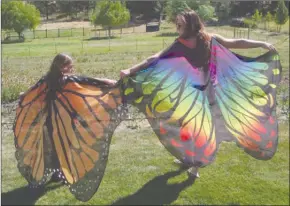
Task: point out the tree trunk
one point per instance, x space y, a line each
19 36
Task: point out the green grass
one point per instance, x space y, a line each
145 174
139 167
72 32
106 57
273 27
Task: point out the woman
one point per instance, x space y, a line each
192 32
193 43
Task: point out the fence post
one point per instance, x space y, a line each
58 32
46 33
34 33
163 43
249 33
71 32
83 31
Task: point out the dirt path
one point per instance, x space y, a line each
66 25
77 24
8 112
7 117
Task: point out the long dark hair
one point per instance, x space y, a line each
195 28
54 76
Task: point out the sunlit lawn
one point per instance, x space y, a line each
140 170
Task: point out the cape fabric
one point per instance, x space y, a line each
190 108
67 132
184 104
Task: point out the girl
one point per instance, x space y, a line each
62 65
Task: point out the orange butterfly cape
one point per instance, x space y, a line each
67 131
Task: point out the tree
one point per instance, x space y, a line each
257 17
243 8
45 7
109 14
222 10
159 9
268 18
195 4
148 9
174 7
205 12
18 16
281 15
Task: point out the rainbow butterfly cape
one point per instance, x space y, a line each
192 111
68 131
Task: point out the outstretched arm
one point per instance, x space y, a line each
139 66
110 82
145 63
242 43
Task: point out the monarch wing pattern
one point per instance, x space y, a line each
246 94
176 108
84 116
70 133
31 134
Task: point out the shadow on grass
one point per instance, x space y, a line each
101 38
157 191
12 42
26 195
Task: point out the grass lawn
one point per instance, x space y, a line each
140 170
